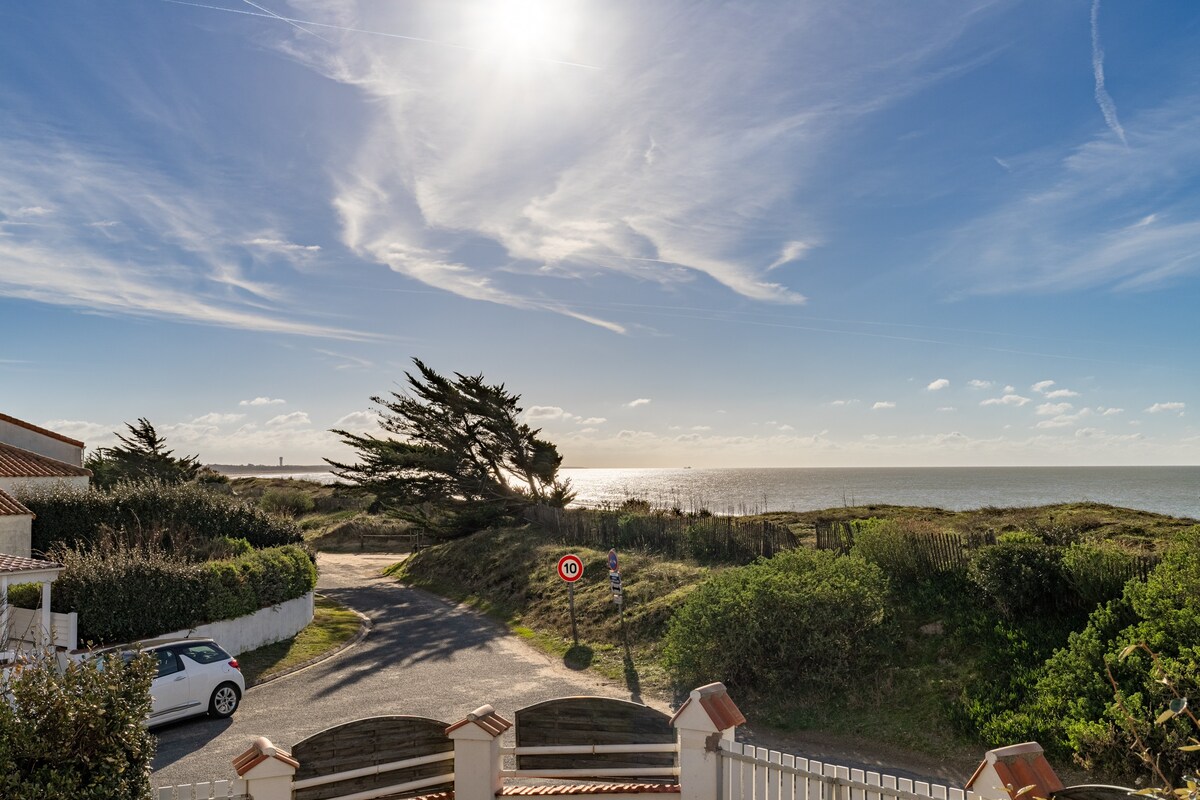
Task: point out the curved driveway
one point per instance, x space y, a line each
425 656
428 657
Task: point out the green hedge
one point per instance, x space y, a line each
801 619
130 594
170 515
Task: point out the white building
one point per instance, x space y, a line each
30 455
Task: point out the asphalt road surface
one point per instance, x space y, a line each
431 658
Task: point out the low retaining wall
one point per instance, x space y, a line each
265 626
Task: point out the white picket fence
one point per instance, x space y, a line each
210 790
755 773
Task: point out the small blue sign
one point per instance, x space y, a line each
612 560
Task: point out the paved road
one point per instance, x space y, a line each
428 657
425 656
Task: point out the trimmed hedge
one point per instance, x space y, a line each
178 515
130 594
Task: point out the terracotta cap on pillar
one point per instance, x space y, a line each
261 750
714 700
486 718
1016 767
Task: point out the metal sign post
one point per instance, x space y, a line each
570 569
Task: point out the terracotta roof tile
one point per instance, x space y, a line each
562 790
260 750
37 429
18 463
715 700
10 506
22 564
1018 766
486 718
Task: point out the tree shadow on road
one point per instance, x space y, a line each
578 657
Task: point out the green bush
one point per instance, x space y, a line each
178 516
1097 573
909 551
76 734
289 502
129 594
1020 575
803 618
1074 700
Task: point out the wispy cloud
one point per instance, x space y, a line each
1103 99
882 405
641 401
173 256
1158 408
938 385
979 384
263 401
792 251
294 418
1006 400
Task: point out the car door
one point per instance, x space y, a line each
171 691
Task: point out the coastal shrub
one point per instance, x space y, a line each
1097 573
1073 702
76 733
127 593
800 619
289 502
178 514
1021 576
909 551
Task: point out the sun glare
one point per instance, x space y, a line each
533 29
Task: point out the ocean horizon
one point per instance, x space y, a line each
1173 490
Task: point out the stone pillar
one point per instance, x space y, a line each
267 770
706 718
477 754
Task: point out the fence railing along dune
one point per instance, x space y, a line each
720 539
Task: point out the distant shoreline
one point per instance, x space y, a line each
265 469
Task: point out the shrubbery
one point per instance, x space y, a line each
186 513
76 734
802 618
289 502
1020 575
129 594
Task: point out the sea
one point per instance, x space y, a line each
1164 490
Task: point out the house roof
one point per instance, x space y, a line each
11 507
10 564
18 463
37 429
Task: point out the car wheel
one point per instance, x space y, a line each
224 701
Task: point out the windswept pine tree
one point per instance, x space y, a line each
141 456
459 459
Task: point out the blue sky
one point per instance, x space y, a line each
741 234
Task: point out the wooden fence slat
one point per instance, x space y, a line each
761 775
789 780
859 776
874 780
747 788
775 781
921 788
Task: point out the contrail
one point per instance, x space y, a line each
1107 106
298 22
288 21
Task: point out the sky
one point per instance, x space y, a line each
813 233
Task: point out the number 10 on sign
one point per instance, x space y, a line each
570 569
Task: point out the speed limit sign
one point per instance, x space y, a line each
570 568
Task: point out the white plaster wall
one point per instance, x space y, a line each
39 443
265 626
15 534
12 485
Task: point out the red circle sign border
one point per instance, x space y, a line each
570 558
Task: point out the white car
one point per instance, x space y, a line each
195 676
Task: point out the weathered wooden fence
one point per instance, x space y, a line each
708 539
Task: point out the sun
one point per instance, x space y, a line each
534 29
